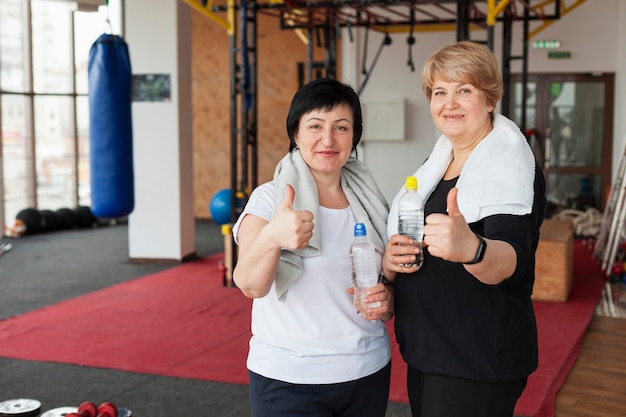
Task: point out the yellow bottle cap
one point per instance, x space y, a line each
410 183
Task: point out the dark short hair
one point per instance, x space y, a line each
323 93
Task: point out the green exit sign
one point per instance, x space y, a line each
546 44
559 55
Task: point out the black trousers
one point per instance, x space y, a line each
365 397
443 396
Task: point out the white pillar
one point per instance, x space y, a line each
161 227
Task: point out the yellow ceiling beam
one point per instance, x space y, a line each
208 13
493 10
299 32
565 9
231 14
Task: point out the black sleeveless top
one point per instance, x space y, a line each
447 322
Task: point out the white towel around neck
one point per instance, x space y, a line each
497 177
366 201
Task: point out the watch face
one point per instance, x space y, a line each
482 246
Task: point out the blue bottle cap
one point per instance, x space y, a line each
359 230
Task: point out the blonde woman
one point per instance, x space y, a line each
465 321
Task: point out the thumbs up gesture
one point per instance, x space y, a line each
448 236
292 228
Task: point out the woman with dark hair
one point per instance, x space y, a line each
464 320
310 353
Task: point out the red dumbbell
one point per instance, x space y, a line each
86 409
107 409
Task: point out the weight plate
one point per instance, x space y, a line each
22 407
60 412
123 412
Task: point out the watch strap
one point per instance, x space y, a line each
383 279
480 251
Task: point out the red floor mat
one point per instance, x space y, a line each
182 322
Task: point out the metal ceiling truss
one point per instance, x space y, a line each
319 24
399 15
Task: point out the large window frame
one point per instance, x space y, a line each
44 162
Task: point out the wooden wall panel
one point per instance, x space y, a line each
211 114
278 54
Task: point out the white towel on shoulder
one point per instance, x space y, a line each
497 178
366 201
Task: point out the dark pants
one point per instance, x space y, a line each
365 397
436 396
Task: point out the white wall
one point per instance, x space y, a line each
594 33
162 225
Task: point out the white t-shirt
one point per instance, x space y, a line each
315 336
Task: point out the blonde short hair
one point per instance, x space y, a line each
464 62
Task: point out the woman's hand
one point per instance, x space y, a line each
292 229
399 253
261 242
382 294
448 236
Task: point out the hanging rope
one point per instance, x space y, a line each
386 41
365 43
410 41
349 27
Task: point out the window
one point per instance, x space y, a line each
44 114
570 117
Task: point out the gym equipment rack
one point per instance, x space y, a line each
320 23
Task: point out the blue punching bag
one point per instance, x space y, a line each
110 128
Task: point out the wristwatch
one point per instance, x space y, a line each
480 252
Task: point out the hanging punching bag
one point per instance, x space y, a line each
110 128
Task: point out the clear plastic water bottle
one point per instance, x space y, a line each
364 270
411 217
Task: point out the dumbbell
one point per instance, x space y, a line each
89 409
86 409
107 409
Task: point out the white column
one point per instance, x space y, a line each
161 227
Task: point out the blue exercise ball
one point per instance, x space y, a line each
220 206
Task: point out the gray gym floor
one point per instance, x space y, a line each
47 268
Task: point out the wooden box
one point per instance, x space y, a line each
554 261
